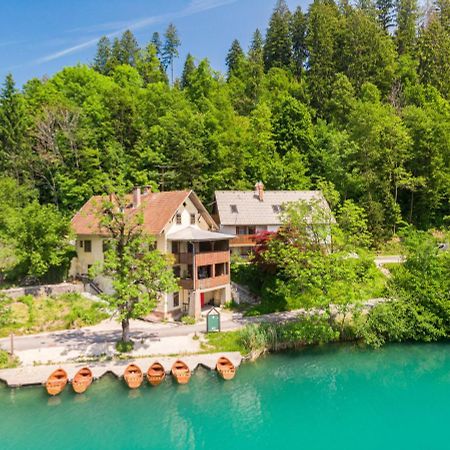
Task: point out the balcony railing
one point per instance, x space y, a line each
205 283
244 240
204 258
208 283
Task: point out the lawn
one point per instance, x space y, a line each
228 341
28 315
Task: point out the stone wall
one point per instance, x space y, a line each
45 289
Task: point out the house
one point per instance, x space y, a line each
182 226
247 214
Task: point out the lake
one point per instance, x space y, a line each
334 397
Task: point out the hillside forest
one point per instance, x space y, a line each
350 98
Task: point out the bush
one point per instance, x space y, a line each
306 330
188 320
124 347
7 361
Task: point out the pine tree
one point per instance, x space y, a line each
234 58
116 54
156 41
150 67
433 51
406 33
255 68
13 131
170 49
321 41
129 49
385 10
256 50
278 45
188 70
298 33
103 56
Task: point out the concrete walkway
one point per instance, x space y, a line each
26 376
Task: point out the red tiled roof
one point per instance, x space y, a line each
157 209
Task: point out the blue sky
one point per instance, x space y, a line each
39 37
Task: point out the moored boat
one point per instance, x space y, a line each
133 376
181 372
156 374
82 380
56 382
225 368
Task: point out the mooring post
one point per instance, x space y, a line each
12 344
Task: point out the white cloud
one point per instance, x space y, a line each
194 7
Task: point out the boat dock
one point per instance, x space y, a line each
37 375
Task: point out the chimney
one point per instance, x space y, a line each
259 191
136 197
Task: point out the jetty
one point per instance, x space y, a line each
37 375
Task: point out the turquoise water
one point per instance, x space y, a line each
330 398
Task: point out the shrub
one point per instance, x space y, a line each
188 320
124 347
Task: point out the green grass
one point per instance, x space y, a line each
7 361
30 315
226 341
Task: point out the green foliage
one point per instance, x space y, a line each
124 347
29 315
139 272
6 361
419 293
188 320
305 330
330 94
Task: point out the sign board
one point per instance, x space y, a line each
213 321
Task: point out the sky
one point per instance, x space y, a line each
40 37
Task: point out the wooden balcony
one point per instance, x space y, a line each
205 283
244 240
203 259
209 258
208 283
187 283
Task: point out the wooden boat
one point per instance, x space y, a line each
225 368
56 382
133 376
82 380
156 374
181 372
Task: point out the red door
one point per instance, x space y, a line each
202 299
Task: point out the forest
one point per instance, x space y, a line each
349 98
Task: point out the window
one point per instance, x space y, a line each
251 230
175 247
88 246
234 209
241 230
176 299
276 208
81 244
193 219
177 271
178 218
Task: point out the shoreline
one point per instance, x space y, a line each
37 375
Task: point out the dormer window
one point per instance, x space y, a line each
193 219
234 209
178 219
276 208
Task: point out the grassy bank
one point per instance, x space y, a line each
7 361
28 315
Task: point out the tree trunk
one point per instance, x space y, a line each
126 330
